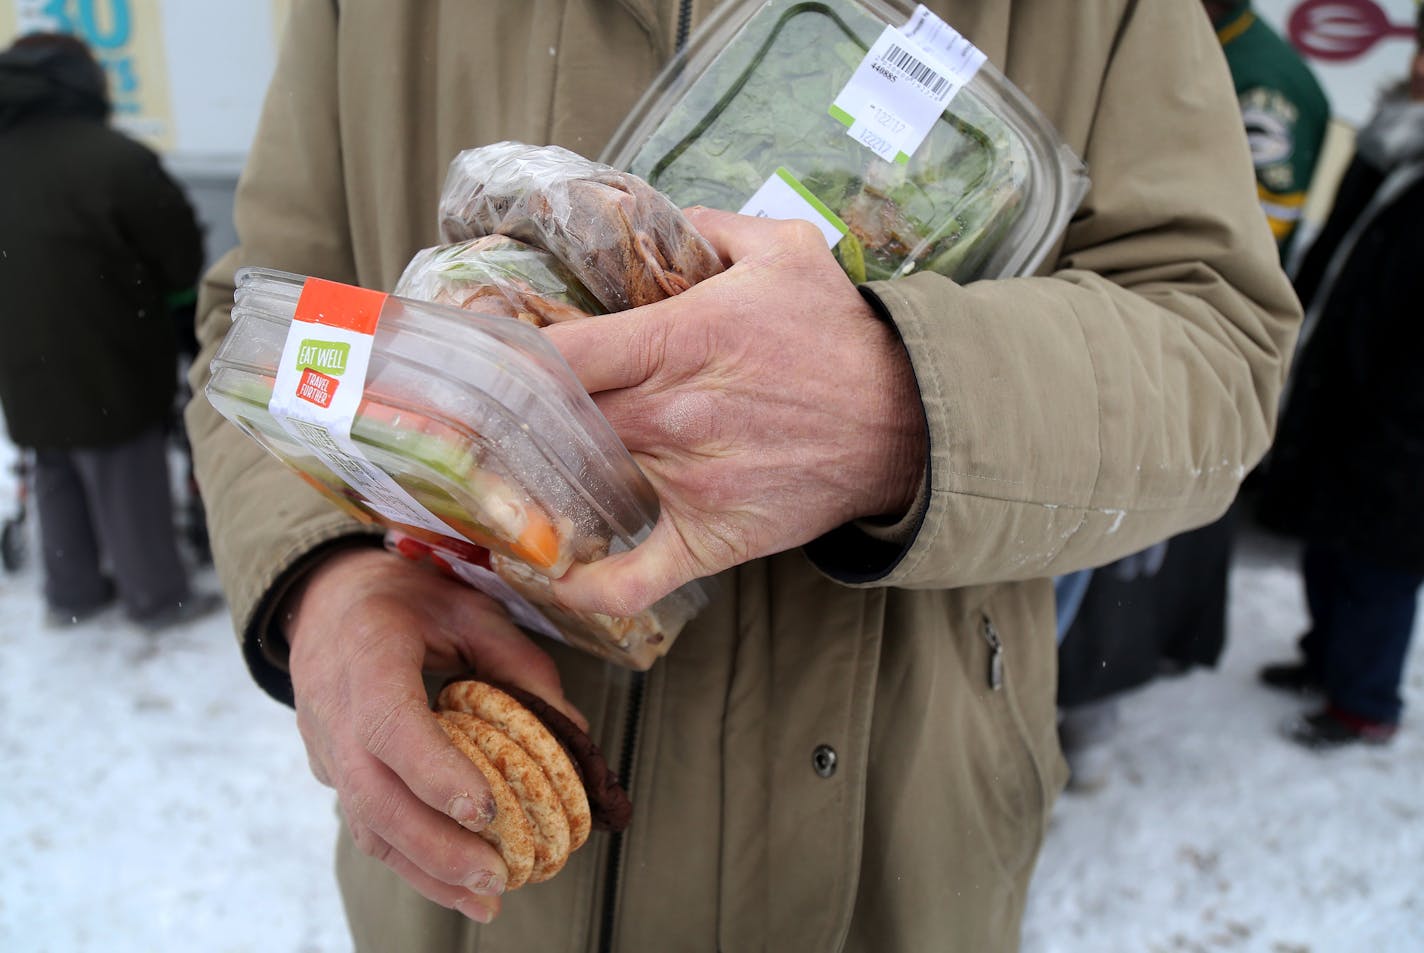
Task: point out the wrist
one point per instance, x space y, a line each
307 589
903 447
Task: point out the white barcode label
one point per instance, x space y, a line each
942 41
905 61
900 90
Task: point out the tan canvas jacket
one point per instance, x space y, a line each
1074 417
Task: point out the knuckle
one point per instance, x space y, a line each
383 723
802 234
803 254
373 808
687 419
319 771
369 844
452 868
650 347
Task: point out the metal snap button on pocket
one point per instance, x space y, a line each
823 760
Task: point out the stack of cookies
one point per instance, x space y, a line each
550 783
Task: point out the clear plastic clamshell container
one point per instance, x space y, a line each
986 194
481 422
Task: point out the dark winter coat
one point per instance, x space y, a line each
1348 465
93 235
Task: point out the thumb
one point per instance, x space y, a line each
625 584
612 351
737 236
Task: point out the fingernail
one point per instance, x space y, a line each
475 911
487 809
472 815
463 809
487 883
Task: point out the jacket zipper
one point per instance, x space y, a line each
996 654
684 25
615 843
635 690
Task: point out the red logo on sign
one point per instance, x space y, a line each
316 388
1340 30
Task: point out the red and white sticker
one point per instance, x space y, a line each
319 386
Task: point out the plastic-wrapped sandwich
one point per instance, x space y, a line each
498 275
626 242
886 128
464 433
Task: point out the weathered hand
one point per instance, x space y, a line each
363 627
767 405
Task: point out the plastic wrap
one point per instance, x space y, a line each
478 420
627 243
498 275
986 193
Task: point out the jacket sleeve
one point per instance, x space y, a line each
1078 417
290 213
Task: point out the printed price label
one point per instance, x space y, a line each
319 385
784 197
901 88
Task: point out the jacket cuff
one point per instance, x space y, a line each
264 642
866 551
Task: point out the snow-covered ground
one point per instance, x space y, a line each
153 800
1215 834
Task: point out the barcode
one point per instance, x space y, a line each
906 63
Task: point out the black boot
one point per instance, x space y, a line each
1295 677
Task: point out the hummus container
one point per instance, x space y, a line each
759 95
469 438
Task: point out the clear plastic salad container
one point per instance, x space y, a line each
472 441
763 92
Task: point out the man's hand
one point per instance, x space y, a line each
767 405
362 628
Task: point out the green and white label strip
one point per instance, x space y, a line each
784 197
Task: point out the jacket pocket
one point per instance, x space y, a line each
1014 780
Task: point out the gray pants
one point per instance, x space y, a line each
109 509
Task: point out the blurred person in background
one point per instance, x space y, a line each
94 235
1163 610
1347 472
1284 108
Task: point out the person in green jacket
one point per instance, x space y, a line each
1284 108
93 236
